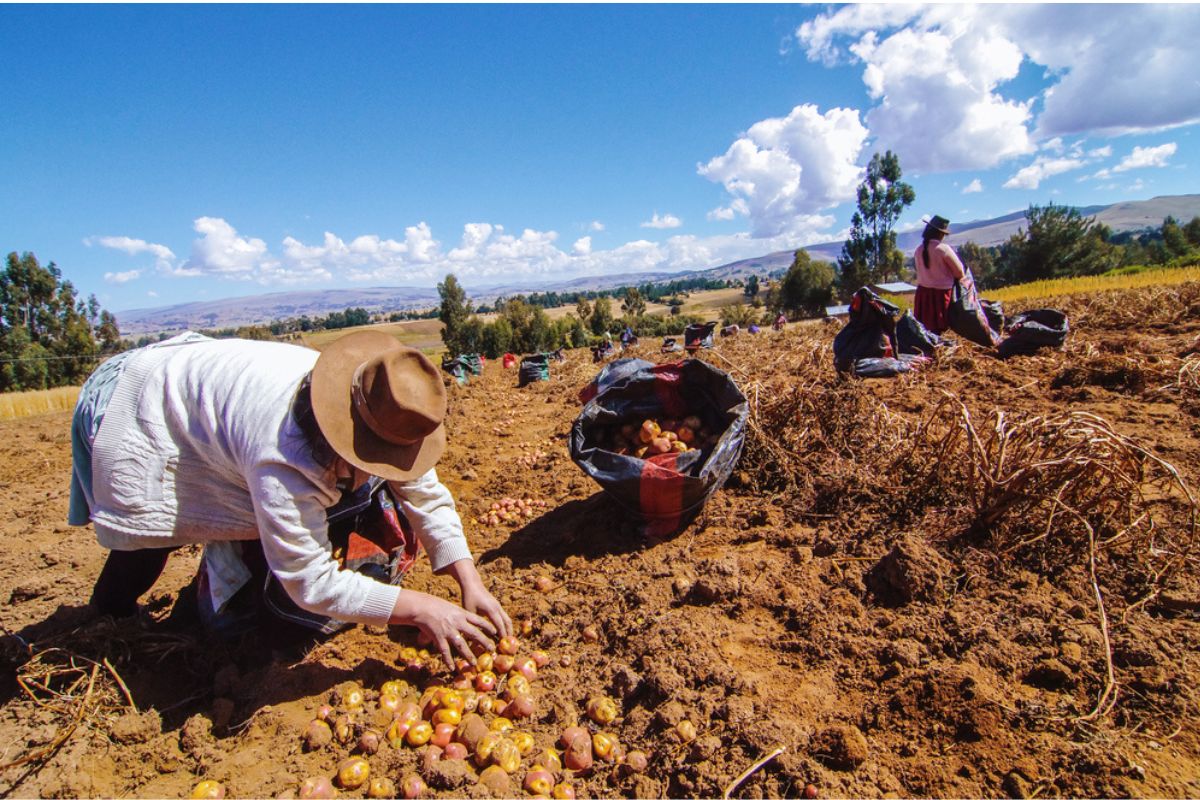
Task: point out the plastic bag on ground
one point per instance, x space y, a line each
664 492
698 335
473 362
887 367
914 338
458 368
611 373
869 333
534 368
1032 330
994 311
966 315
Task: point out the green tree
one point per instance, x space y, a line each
46 336
602 316
1174 238
454 312
109 334
807 288
633 305
739 314
1059 242
751 289
497 338
981 261
583 309
870 254
1192 231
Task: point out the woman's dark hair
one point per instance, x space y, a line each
930 232
306 420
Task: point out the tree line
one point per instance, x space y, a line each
48 336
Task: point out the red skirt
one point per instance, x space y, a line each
929 307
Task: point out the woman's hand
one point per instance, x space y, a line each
475 596
451 629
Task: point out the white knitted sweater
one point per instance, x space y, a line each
198 445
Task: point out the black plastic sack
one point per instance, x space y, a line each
473 362
966 315
1032 330
698 335
664 492
457 367
914 338
869 333
994 311
533 369
612 373
886 367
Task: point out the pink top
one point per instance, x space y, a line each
943 269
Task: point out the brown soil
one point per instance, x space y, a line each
837 599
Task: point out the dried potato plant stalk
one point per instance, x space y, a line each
793 432
1074 489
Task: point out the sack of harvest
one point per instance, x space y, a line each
662 492
611 373
458 368
966 314
473 362
913 338
994 311
698 335
534 368
869 333
509 361
1032 330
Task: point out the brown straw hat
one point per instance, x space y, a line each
380 404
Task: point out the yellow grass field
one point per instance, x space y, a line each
14 405
1094 283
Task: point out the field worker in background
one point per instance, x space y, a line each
938 267
780 321
243 446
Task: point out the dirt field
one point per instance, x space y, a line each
904 609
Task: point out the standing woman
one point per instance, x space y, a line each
938 267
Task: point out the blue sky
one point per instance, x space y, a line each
165 153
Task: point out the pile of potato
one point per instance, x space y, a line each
511 511
651 437
474 716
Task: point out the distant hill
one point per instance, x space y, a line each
263 309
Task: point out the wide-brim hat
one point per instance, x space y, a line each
380 404
937 223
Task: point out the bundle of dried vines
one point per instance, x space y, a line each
788 430
83 689
1070 486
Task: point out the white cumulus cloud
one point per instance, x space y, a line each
1031 176
665 221
939 74
123 277
784 170
221 252
1146 157
974 187
596 226
582 246
132 246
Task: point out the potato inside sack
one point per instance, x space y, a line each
661 439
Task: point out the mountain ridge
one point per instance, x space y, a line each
263 309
